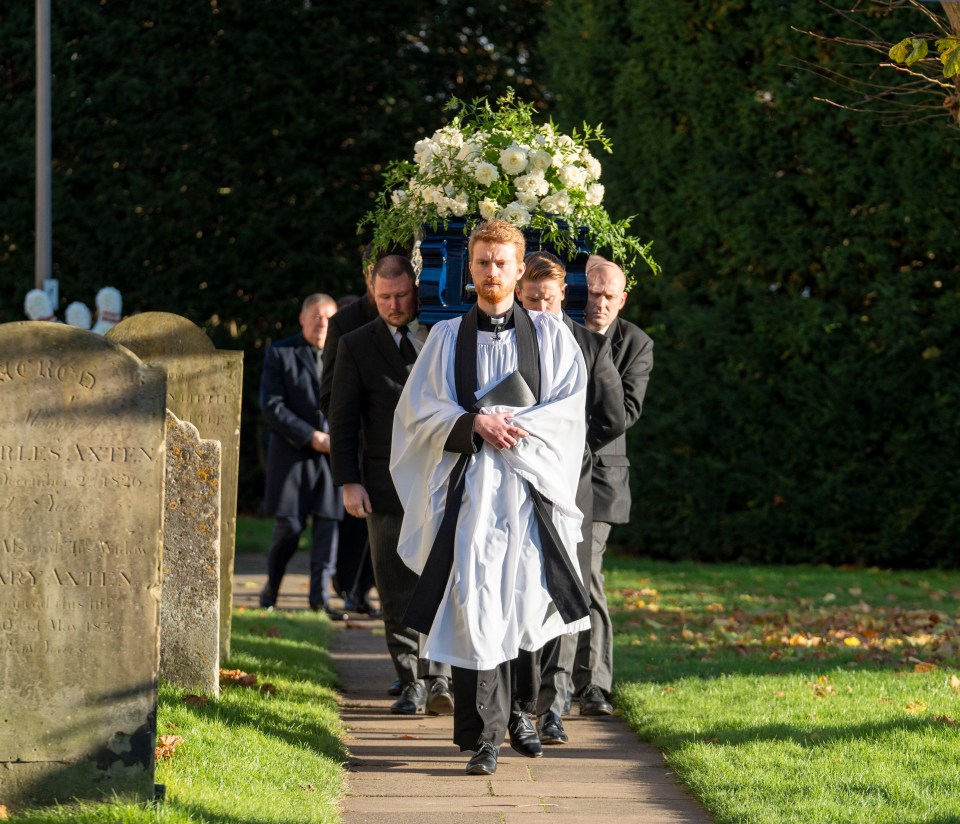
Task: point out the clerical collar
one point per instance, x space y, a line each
487 324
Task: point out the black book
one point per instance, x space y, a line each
511 391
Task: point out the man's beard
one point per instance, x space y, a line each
494 292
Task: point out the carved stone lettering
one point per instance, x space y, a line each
81 484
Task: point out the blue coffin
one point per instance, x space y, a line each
446 290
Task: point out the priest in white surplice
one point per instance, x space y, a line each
487 441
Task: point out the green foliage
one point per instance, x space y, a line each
776 427
909 51
213 159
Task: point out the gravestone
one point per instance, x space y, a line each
81 493
204 386
190 609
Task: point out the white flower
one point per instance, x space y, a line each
468 151
573 177
528 200
516 214
398 196
488 208
558 203
595 194
423 152
459 205
449 136
486 173
513 159
541 160
535 182
591 164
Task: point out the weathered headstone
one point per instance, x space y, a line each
190 609
204 386
81 492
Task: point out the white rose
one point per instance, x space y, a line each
516 214
488 208
468 151
423 152
398 196
534 182
595 194
513 159
573 177
448 136
541 160
460 205
591 164
486 173
528 200
557 204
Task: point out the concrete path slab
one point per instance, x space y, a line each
406 768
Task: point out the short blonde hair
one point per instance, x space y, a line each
498 231
544 266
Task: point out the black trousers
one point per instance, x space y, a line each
484 699
354 563
323 554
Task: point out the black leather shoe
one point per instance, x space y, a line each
485 760
412 699
395 688
523 735
439 698
365 607
268 598
551 729
330 612
594 702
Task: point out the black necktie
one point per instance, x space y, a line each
407 352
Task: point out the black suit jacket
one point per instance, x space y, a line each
605 421
370 375
352 316
298 478
632 352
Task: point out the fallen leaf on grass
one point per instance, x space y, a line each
307 788
273 632
954 683
172 726
196 700
268 689
924 667
236 678
167 745
945 719
852 641
779 694
915 707
3 811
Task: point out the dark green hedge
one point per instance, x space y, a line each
213 158
777 427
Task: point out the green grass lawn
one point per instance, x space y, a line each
257 754
795 694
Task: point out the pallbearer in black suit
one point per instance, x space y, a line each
543 289
373 363
633 358
298 482
354 570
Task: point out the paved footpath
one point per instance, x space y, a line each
406 769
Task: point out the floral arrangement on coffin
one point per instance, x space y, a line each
497 162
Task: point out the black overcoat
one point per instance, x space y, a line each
298 481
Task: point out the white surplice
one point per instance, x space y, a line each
496 601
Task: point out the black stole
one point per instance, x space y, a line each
562 582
